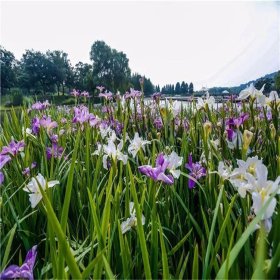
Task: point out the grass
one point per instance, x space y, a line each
205 232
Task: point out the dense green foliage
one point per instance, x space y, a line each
110 67
42 73
8 72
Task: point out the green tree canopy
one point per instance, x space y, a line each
7 65
110 67
267 82
61 68
177 88
183 88
277 82
83 78
191 88
37 71
148 86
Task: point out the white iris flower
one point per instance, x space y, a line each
32 187
136 144
132 220
174 161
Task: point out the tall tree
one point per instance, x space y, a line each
277 82
266 82
183 88
7 65
177 88
148 85
37 71
157 88
83 78
60 68
110 67
187 88
191 88
172 91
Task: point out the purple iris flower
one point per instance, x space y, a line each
4 159
47 123
81 114
236 122
107 109
268 115
186 124
156 96
40 106
37 106
133 94
75 93
107 95
158 173
13 148
230 122
54 138
244 117
26 171
196 171
1 178
158 123
85 94
54 151
100 88
25 271
35 125
63 120
230 134
93 120
117 126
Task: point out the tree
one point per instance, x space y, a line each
187 88
157 88
83 79
191 88
172 90
177 88
37 71
183 88
8 65
266 82
277 82
148 85
61 68
110 67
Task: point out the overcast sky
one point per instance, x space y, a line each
208 43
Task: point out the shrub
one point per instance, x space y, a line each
17 99
68 101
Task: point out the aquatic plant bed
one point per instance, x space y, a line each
142 190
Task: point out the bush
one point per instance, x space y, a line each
8 104
17 99
68 101
28 101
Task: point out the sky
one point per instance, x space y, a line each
209 43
